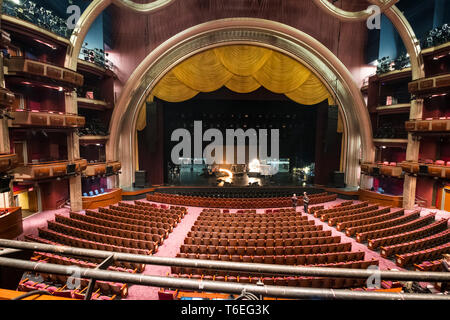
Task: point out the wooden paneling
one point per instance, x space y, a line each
24 67
381 199
45 119
102 200
11 223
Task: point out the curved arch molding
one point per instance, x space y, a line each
395 16
91 13
270 34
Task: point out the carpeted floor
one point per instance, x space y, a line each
171 245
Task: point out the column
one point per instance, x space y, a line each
73 150
412 154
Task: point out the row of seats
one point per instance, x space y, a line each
105 287
288 229
170 213
369 221
157 238
144 245
250 220
435 266
245 203
114 218
380 225
69 261
303 282
122 264
254 224
88 244
345 212
261 235
300 259
321 212
159 228
409 237
351 264
269 213
277 242
424 243
430 229
419 256
142 217
281 250
408 222
368 214
27 285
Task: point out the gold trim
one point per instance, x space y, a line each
345 15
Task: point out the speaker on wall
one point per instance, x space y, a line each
140 179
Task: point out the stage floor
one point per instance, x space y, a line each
197 180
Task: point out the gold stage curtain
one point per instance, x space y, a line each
281 74
243 60
203 72
242 84
242 69
311 92
170 89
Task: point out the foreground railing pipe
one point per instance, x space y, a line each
256 268
214 286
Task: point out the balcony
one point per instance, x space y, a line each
394 109
21 66
92 104
438 168
429 125
8 162
103 169
16 25
11 223
390 169
36 118
89 67
6 98
429 86
49 170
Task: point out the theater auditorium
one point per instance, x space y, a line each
224 150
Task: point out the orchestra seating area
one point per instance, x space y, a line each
138 228
278 236
409 238
246 203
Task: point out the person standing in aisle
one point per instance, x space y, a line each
305 202
294 201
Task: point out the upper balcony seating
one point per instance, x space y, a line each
385 168
8 162
26 67
438 168
52 169
43 118
440 124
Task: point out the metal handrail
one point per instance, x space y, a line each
256 268
214 286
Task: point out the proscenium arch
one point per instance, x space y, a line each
277 36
